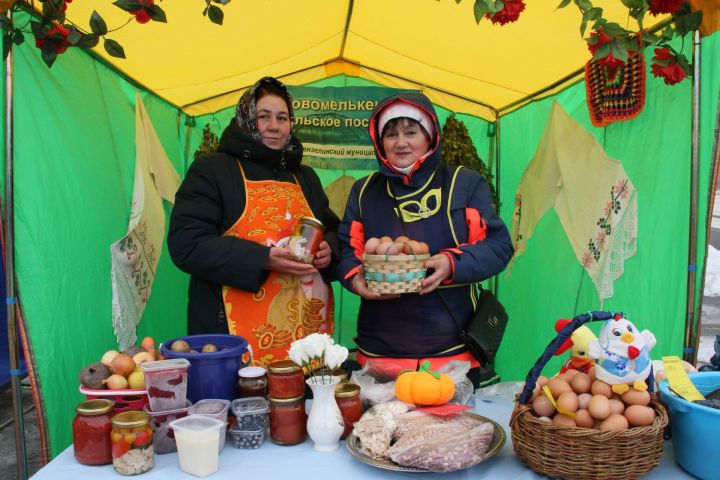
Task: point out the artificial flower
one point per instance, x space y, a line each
57 37
142 15
317 350
597 39
297 353
666 66
335 355
509 13
658 7
315 344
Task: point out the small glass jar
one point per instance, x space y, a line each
132 442
288 422
91 432
306 239
252 382
285 379
347 396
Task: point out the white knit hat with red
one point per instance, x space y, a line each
400 109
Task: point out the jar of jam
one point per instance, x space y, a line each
91 432
347 396
285 379
252 382
132 442
288 422
306 239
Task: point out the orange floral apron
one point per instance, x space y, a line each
286 307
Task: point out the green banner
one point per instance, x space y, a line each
332 122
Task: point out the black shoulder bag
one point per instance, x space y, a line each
484 332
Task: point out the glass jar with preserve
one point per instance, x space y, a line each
132 442
347 396
285 379
288 422
252 382
91 432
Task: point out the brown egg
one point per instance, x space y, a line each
542 380
636 397
583 419
545 419
395 249
558 386
567 402
584 400
423 248
543 407
371 245
580 383
599 407
563 421
599 387
614 422
616 406
402 238
571 372
384 248
386 239
591 374
640 415
412 247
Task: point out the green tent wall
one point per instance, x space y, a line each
74 162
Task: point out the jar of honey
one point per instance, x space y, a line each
347 396
306 239
288 422
285 379
91 432
132 442
252 382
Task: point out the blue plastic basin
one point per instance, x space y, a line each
214 374
695 428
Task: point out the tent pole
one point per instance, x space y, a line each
11 300
691 324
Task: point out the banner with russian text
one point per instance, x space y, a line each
332 122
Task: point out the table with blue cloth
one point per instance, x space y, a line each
298 462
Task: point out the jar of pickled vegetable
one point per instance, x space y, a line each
91 432
288 420
132 442
347 396
285 379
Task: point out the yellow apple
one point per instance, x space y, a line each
136 380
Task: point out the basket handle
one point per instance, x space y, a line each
404 243
561 337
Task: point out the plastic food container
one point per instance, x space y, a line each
164 439
214 408
123 400
166 383
251 413
197 438
211 374
695 427
247 439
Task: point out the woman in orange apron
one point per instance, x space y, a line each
230 224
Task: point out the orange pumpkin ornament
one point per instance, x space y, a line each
424 387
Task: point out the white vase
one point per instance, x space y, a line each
325 423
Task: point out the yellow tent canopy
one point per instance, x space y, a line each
433 45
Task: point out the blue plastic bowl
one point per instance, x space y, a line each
695 427
214 374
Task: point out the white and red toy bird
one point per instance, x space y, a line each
622 355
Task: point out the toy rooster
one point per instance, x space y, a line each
578 344
622 355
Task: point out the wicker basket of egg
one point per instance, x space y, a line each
394 266
588 432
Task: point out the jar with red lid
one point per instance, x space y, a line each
132 442
347 396
288 422
91 429
252 382
285 379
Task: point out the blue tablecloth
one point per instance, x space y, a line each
301 462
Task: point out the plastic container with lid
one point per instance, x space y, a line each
132 442
288 422
215 408
166 383
285 379
347 396
248 439
252 382
164 438
91 429
197 438
251 413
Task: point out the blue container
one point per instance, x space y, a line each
695 428
213 374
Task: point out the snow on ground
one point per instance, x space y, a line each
712 273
